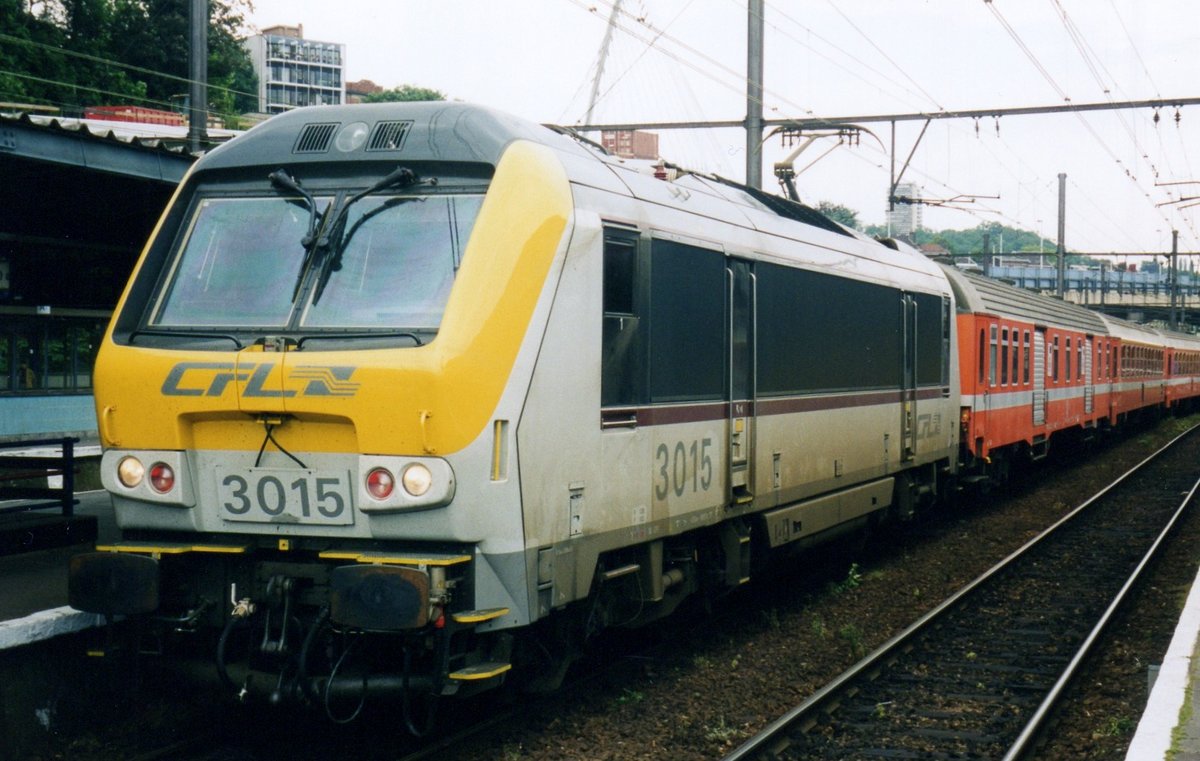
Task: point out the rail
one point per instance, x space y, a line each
17 469
1013 638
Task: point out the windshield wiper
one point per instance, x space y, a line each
359 336
401 177
281 179
186 334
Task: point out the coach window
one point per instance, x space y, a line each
1054 361
992 357
687 322
1067 360
1004 357
1025 358
1016 356
623 363
982 356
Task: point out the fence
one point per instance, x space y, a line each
15 469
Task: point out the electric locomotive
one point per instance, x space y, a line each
433 391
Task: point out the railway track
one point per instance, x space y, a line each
979 676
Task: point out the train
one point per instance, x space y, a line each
414 399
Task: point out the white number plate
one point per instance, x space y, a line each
268 495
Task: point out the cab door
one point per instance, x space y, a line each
908 382
741 381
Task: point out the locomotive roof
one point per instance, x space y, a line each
438 135
977 293
424 131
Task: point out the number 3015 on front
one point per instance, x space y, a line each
270 495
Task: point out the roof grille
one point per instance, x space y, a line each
315 138
388 136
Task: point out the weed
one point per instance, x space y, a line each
629 696
771 619
818 627
722 732
1119 726
852 581
512 752
853 637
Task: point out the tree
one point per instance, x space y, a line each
404 93
76 53
843 215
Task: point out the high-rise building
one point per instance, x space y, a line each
905 216
294 72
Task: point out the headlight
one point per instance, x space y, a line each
130 471
416 479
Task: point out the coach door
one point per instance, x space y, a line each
1089 382
908 383
741 283
1039 376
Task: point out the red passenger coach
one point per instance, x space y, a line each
1183 371
1032 368
1141 379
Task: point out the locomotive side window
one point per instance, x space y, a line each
623 362
687 322
933 340
802 315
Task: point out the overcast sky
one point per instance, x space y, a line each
685 60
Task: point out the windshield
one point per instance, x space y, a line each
396 264
239 263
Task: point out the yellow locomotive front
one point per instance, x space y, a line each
306 395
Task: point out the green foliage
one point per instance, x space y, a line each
75 53
843 215
852 636
852 581
404 93
1001 239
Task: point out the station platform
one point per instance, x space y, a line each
33 577
1170 725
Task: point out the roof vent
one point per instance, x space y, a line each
315 138
388 136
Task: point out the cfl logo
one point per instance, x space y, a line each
213 378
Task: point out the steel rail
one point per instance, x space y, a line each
772 739
1029 734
